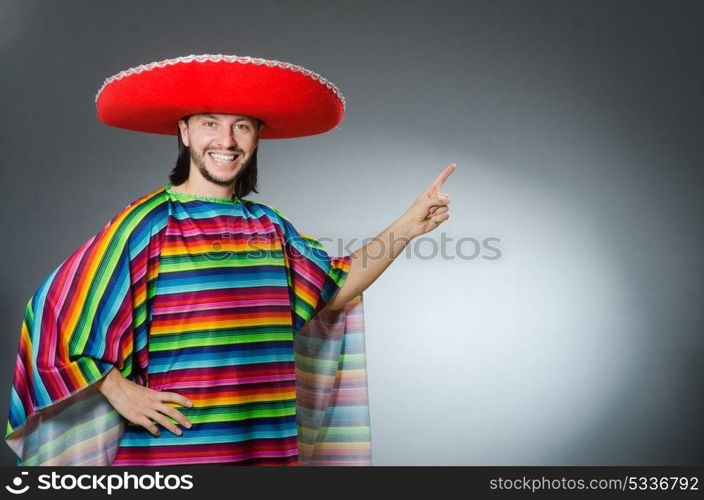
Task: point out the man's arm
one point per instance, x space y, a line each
428 211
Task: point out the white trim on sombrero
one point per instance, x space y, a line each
219 58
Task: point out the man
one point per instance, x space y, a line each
199 310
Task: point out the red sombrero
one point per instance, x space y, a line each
291 100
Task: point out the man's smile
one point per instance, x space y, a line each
224 159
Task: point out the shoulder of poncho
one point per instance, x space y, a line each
272 212
280 219
287 227
150 207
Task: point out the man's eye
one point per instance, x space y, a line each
208 124
243 126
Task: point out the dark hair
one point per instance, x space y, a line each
246 181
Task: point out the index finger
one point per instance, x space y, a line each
174 397
440 179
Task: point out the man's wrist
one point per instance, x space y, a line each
403 229
105 384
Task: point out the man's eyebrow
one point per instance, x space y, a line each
213 117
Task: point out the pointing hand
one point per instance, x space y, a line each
431 208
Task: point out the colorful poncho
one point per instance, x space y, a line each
216 300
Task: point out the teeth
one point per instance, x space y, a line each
222 157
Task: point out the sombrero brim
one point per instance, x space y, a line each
291 100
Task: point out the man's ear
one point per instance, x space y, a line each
183 130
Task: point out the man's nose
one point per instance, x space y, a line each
228 139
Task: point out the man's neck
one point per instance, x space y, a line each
202 187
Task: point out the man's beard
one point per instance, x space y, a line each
199 161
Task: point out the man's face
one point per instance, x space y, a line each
220 145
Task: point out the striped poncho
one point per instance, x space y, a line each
216 300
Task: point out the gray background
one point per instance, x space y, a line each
577 129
